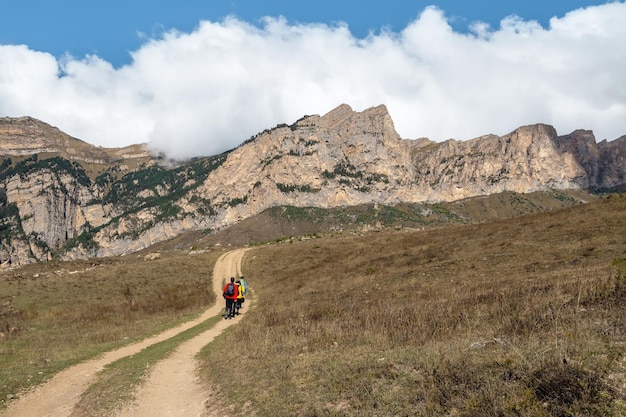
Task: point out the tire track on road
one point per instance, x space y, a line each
58 396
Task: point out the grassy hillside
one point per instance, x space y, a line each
288 222
517 317
523 316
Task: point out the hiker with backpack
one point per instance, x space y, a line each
240 293
230 293
244 284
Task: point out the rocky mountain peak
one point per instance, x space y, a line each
344 122
25 136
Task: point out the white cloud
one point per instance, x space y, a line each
207 91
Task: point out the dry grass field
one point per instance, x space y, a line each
516 317
523 316
56 314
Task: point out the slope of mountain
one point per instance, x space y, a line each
61 197
25 136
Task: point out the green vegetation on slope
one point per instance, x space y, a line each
55 165
10 225
157 186
147 187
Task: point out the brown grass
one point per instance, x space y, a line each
518 317
56 314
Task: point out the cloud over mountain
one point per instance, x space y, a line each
207 91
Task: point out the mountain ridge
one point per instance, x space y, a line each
61 197
27 136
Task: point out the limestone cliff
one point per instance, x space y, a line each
61 197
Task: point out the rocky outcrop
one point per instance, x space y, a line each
343 158
25 136
348 158
52 206
528 159
612 163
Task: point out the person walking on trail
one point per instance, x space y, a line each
245 285
230 295
240 293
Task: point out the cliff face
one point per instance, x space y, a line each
612 163
528 159
47 198
347 158
62 197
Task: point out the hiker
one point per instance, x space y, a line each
245 285
230 295
240 293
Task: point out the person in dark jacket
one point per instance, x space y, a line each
230 294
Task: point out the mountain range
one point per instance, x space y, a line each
61 197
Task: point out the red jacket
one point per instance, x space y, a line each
236 293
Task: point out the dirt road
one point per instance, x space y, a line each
172 388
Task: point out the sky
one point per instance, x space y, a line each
199 77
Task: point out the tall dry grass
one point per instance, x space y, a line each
519 317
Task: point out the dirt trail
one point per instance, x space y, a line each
172 389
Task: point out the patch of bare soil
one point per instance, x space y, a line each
172 388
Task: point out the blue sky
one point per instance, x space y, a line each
206 75
113 28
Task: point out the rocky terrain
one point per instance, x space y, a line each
61 197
